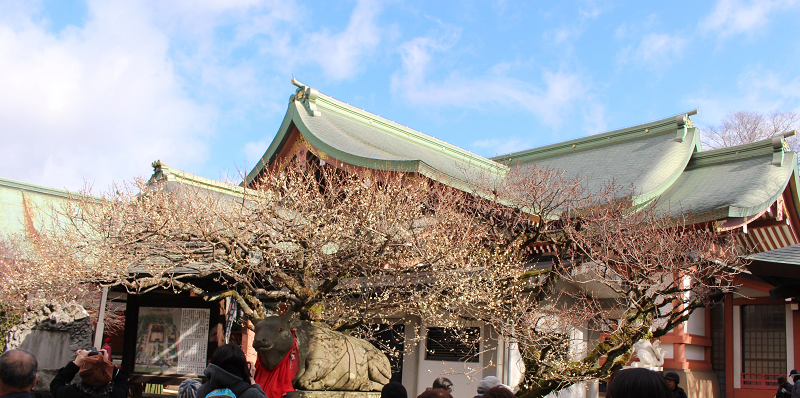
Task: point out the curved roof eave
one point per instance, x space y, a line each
735 211
646 197
733 182
409 166
599 140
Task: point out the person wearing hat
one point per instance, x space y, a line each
784 388
486 384
188 388
796 387
99 378
444 383
673 380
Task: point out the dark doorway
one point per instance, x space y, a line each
390 339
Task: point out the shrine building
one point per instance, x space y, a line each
735 349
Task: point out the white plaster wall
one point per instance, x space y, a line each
695 352
463 386
574 391
669 349
464 375
697 322
411 358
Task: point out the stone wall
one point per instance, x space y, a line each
52 333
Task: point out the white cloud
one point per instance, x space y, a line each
656 47
559 92
494 147
341 55
736 16
96 103
563 34
655 50
573 30
280 31
757 89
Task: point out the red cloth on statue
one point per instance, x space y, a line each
278 381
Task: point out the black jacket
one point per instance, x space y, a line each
784 391
219 378
60 387
678 393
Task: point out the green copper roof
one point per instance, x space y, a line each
648 157
737 181
23 203
660 159
359 138
165 174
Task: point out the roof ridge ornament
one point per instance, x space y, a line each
780 147
306 96
684 123
158 171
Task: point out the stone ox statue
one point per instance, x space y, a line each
326 360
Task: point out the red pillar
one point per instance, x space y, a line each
728 308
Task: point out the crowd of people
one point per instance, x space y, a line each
229 375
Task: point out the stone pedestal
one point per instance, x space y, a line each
333 394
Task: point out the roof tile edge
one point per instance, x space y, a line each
775 146
315 102
676 125
26 186
162 172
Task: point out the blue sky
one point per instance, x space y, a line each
93 91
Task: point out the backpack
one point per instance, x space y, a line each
221 393
232 392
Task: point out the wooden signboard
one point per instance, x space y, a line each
167 337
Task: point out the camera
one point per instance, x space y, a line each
93 352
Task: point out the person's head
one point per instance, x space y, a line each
188 388
107 340
17 371
672 379
435 393
793 372
782 381
97 370
637 382
487 383
498 392
444 383
394 390
231 359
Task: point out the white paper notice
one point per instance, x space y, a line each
193 342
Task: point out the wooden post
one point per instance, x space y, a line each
101 316
728 319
